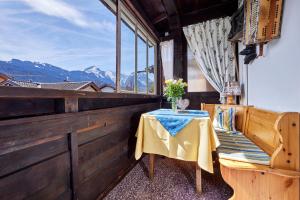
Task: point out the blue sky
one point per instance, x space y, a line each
72 34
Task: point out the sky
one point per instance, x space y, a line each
71 34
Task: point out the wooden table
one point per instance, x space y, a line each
195 143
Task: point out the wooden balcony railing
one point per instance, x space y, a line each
66 144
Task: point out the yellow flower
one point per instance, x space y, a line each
168 81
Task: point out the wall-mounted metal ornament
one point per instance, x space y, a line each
249 52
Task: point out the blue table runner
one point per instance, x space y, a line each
175 122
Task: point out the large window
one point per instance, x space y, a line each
58 44
71 45
196 79
137 56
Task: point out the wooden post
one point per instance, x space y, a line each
198 179
71 104
73 145
151 166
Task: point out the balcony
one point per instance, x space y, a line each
71 133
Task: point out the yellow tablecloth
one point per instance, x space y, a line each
195 142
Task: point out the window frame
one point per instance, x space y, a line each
123 14
132 27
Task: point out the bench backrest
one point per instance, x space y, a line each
278 134
260 128
240 118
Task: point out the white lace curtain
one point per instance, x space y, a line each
213 52
167 57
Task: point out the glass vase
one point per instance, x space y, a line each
174 104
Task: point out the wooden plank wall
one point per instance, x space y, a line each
72 155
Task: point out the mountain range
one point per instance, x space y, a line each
47 73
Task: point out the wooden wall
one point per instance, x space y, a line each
77 155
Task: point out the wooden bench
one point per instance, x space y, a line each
277 134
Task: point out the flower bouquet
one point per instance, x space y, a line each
174 90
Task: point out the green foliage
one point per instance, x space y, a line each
174 89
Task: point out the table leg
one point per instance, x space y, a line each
198 179
151 166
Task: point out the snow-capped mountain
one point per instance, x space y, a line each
141 82
47 73
105 74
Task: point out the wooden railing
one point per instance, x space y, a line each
65 144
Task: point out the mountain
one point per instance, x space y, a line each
47 73
105 74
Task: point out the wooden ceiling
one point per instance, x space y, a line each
170 15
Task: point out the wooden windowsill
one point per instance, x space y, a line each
20 92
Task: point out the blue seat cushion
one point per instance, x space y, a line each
236 146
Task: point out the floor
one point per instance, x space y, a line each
173 179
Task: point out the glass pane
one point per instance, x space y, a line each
196 80
151 68
64 44
127 57
142 65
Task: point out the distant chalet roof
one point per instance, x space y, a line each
58 86
15 83
70 85
107 85
4 76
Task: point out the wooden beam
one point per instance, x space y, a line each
170 7
215 11
136 9
173 15
159 75
180 53
21 92
160 18
216 6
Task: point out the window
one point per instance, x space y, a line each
137 56
196 79
127 78
71 45
60 44
142 64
